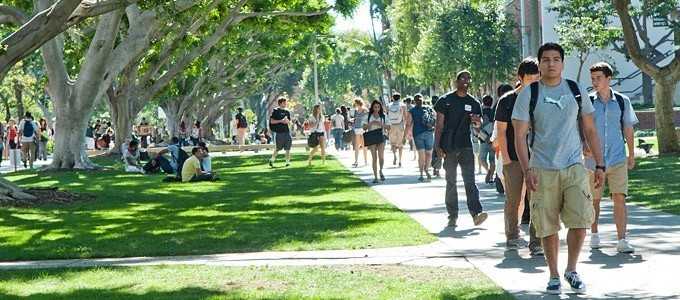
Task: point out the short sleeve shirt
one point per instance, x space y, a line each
557 143
504 114
25 139
417 114
608 123
456 111
191 167
280 114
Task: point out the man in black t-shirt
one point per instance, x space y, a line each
456 113
513 176
278 123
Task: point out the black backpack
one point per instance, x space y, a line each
573 86
428 120
183 156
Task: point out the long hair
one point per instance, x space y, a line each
381 112
316 112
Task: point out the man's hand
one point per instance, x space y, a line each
440 152
599 178
631 162
476 120
286 120
531 180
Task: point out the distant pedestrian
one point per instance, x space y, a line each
338 128
44 139
420 126
241 127
359 118
376 125
317 138
29 132
280 122
196 133
396 112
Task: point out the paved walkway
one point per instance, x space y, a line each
650 273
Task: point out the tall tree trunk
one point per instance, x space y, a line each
665 127
171 118
647 89
19 96
121 115
69 139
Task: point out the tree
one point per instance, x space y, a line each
666 77
465 36
583 35
47 23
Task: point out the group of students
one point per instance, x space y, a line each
185 168
557 144
25 142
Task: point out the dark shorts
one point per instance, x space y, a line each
283 141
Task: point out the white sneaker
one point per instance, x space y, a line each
624 247
595 241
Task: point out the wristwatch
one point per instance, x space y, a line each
603 168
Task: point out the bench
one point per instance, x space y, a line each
642 144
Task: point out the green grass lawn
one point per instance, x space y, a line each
253 208
202 282
655 182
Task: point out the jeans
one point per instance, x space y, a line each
337 135
466 159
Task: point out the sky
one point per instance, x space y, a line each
360 21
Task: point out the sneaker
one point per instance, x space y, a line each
394 162
575 282
480 218
382 177
624 247
514 244
452 223
554 286
595 241
535 249
421 179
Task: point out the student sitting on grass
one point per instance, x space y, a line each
191 170
206 161
131 158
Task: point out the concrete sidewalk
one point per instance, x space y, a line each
435 254
649 273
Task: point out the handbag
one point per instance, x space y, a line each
313 140
347 136
374 137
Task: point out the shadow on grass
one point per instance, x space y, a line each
253 208
655 182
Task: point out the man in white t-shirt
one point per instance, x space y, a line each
28 131
396 113
338 123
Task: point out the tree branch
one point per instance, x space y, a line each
631 39
12 15
284 13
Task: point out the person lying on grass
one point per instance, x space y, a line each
191 170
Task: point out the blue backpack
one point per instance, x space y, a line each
29 130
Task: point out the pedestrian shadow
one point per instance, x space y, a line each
512 260
597 257
450 232
631 294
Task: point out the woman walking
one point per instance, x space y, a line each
376 125
360 119
317 134
44 138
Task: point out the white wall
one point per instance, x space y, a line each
617 60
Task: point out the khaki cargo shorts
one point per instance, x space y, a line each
396 136
616 178
561 195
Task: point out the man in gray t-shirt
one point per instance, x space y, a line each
555 175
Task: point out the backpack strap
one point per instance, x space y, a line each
573 86
622 107
532 106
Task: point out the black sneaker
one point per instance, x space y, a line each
554 286
575 282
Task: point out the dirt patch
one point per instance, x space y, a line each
47 196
